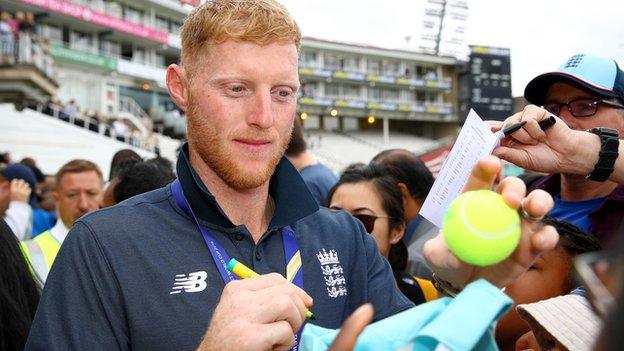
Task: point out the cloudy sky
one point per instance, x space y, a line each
541 34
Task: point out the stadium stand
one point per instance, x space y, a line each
54 141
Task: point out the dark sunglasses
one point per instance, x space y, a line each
582 107
369 221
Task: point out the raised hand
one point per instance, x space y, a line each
20 190
558 149
535 239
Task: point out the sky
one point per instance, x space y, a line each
541 34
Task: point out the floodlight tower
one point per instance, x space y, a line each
445 23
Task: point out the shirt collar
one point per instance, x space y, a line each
411 227
293 200
59 231
552 184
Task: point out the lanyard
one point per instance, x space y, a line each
292 256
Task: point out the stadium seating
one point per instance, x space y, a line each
53 142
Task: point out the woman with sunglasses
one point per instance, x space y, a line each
371 195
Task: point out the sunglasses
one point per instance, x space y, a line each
600 272
369 221
582 107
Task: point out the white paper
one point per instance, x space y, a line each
475 140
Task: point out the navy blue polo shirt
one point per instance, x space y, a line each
139 276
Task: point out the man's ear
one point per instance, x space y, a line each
177 85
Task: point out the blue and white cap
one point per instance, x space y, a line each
595 74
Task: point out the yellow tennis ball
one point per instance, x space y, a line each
480 228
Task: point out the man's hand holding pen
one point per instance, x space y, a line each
544 143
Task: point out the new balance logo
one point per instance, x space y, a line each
194 282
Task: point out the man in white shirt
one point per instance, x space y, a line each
16 183
79 189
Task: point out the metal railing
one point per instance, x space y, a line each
26 50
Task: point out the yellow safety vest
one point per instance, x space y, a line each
40 253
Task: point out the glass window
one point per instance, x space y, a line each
54 33
374 93
332 90
134 15
113 8
160 60
421 96
308 58
352 64
374 66
390 68
420 70
390 94
308 89
161 23
175 27
352 91
81 41
431 73
110 48
126 50
333 61
139 55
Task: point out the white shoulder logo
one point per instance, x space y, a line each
194 282
332 273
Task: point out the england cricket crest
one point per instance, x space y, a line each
332 273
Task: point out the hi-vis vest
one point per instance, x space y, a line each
40 253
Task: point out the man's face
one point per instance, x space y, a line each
547 277
78 194
241 105
605 116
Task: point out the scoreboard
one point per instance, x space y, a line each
489 82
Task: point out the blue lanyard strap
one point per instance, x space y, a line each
219 255
292 255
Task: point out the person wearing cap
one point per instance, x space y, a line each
560 323
16 184
79 189
550 276
580 152
42 219
150 273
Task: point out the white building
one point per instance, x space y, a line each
111 56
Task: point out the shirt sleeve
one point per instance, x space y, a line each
19 218
383 291
81 307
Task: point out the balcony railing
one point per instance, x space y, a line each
371 104
90 56
423 82
104 14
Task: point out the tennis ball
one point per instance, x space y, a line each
480 228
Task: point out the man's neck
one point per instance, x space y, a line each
576 187
412 209
250 207
302 160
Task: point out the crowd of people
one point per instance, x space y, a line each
119 128
21 43
123 267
